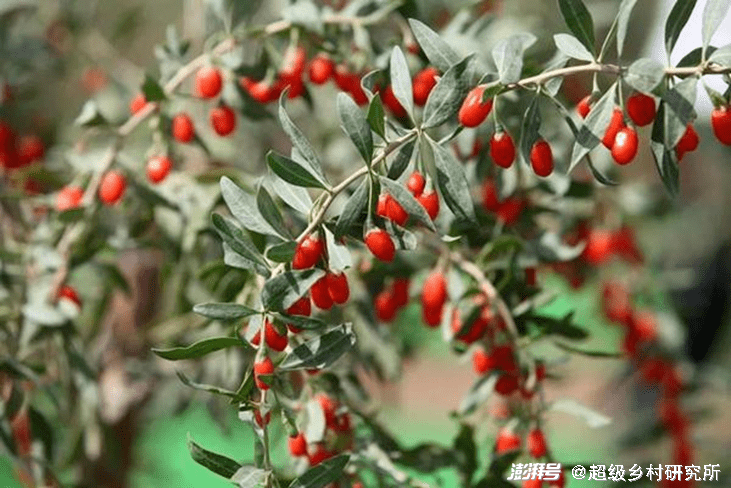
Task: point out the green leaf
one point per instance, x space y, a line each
304 13
644 75
439 53
294 196
579 21
722 56
623 17
466 450
550 247
571 47
338 255
301 322
302 146
479 393
559 326
677 19
508 56
198 349
281 253
401 81
401 161
667 166
250 476
268 209
446 97
42 430
553 85
90 115
280 292
592 418
324 473
353 209
529 130
452 183
224 311
713 14
321 351
680 109
408 202
221 465
152 90
292 172
599 176
244 208
595 125
355 125
377 116
215 390
594 354
239 243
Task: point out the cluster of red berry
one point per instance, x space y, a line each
509 441
18 152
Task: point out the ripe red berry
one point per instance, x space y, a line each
158 168
688 142
321 69
645 325
502 149
506 384
320 293
641 109
434 292
432 316
223 120
302 307
721 123
392 103
509 211
396 212
380 244
263 368
584 106
69 293
490 196
416 184
536 442
382 205
482 362
599 247
208 82
329 409
275 341
69 197
401 291
262 91
507 441
615 125
297 445
532 483
137 103
261 422
293 64
430 202
473 112
307 253
321 454
183 130
385 306
541 158
625 146
424 82
112 187
30 149
473 334
337 285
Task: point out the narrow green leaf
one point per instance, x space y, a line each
283 290
299 141
593 354
439 53
324 473
401 81
239 243
667 166
294 196
281 253
250 476
354 208
592 418
221 465
152 90
244 208
713 14
508 56
644 75
90 116
301 322
214 390
408 202
579 21
479 393
572 47
338 255
595 125
677 19
402 160
269 211
553 85
452 183
224 311
722 56
599 176
292 172
623 17
680 109
198 349
355 125
446 97
529 132
321 351
377 116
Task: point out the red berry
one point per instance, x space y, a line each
301 307
297 445
385 306
721 123
263 368
502 149
625 146
584 106
507 441
416 184
307 253
473 112
473 334
261 91
321 69
504 359
293 64
615 125
533 483
530 276
321 454
382 205
21 432
688 142
434 293
506 384
430 202
536 442
401 291
396 212
392 103
641 109
138 103
509 211
158 168
337 285
112 187
490 196
261 422
540 372
69 197
482 362
424 82
275 341
321 294
69 293
380 244
329 409
432 316
644 325
183 130
208 82
223 120
30 149
541 158
599 247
